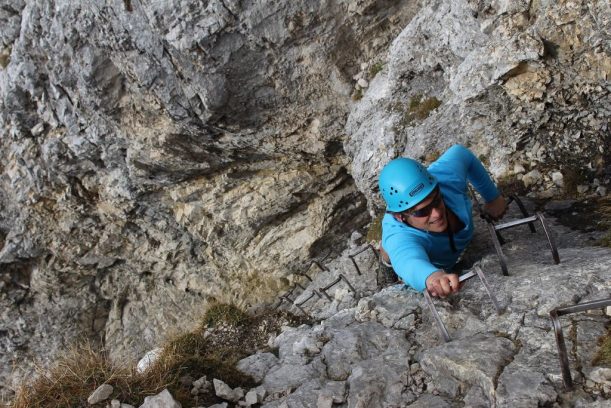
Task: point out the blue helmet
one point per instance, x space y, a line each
404 183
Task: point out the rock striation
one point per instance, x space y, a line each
159 156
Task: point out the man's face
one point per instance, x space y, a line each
428 215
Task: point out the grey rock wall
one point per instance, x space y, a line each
386 349
157 156
524 84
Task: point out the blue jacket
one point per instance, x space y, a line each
414 253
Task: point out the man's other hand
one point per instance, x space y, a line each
442 284
496 208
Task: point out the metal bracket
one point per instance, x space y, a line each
493 229
562 353
298 305
369 246
341 277
476 270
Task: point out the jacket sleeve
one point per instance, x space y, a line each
468 167
409 260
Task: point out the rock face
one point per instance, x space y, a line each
157 156
508 360
524 84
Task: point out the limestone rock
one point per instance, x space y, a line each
149 359
224 391
208 152
257 365
162 400
100 394
475 360
530 178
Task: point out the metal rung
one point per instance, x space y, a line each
306 275
314 293
341 277
477 270
369 246
562 353
514 223
529 220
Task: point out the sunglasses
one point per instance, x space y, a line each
426 211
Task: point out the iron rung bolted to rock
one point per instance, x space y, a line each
305 275
298 305
369 246
281 299
288 293
319 263
497 238
562 353
290 301
493 230
484 215
341 277
476 270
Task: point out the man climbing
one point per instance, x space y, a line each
428 221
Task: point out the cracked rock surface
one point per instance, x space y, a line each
364 341
158 156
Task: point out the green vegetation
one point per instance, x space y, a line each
375 69
357 95
484 159
374 232
5 57
420 109
603 356
224 336
78 373
605 241
219 314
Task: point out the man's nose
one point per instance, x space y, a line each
437 212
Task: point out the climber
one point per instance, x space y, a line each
428 221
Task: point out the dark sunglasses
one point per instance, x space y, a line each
426 211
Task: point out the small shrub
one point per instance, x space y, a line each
5 57
374 233
225 336
357 95
375 69
603 356
420 109
223 313
605 241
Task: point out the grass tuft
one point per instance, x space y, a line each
603 356
225 336
419 109
78 373
374 232
357 95
222 313
5 57
375 69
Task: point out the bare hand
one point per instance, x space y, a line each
442 284
496 208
